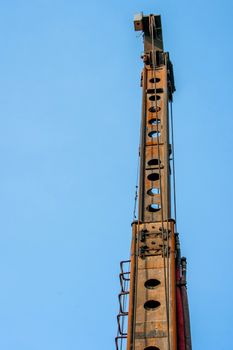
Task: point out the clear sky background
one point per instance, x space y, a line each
70 105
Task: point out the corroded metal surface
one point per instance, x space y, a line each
152 309
153 292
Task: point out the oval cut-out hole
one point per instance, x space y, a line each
154 91
151 91
153 191
151 305
154 97
153 177
154 110
152 283
152 348
154 134
154 121
154 80
154 162
153 208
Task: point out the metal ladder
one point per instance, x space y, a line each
123 297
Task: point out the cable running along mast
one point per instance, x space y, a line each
154 312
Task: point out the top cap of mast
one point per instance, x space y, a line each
143 23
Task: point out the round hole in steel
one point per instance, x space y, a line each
154 109
151 305
153 134
151 91
154 91
154 80
153 177
153 191
154 162
154 121
154 98
152 283
154 207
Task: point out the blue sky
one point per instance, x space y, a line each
70 107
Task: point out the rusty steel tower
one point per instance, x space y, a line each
153 300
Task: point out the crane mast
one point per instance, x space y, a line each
153 291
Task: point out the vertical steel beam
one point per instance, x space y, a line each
152 320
